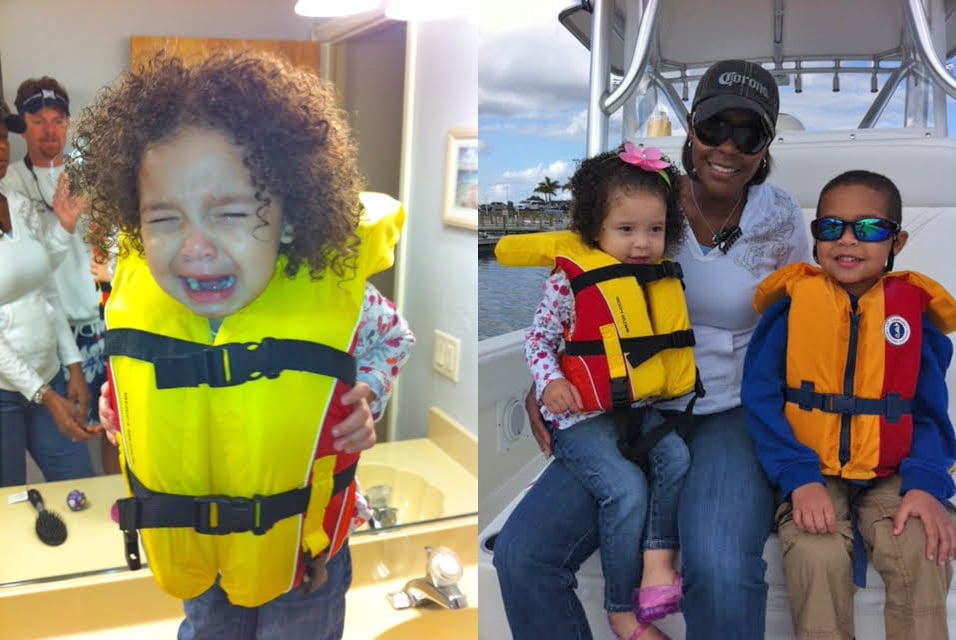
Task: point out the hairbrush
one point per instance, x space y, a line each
50 527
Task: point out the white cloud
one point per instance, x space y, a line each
529 65
518 184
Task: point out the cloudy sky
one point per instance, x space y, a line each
532 98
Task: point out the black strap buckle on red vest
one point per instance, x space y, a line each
180 363
151 510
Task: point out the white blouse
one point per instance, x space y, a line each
35 337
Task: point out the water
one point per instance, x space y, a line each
507 296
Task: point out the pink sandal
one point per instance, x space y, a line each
641 628
654 603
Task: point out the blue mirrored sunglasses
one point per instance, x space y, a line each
864 230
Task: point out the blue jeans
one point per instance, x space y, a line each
589 450
295 615
26 427
724 517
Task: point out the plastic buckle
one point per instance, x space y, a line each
249 361
233 515
845 405
619 393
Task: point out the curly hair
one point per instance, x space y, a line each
295 140
597 178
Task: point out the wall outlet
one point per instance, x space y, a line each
445 360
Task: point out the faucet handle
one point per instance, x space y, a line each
442 566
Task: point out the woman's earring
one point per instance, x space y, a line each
763 163
288 234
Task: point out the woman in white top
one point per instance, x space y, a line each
40 412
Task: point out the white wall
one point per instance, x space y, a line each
440 271
85 45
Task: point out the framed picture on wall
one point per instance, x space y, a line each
460 207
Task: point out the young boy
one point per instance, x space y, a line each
239 327
846 401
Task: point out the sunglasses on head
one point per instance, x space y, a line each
749 138
864 230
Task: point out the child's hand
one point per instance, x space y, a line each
560 396
937 523
813 509
107 415
357 432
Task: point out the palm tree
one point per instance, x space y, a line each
548 187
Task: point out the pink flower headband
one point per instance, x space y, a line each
646 158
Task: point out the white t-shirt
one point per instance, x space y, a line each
34 335
719 289
74 282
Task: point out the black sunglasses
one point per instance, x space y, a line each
864 230
749 138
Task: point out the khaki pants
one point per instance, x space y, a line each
819 573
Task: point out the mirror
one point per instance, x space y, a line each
368 66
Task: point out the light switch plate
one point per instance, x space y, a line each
445 359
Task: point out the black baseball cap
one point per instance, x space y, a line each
738 84
45 98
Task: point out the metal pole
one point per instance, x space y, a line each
602 11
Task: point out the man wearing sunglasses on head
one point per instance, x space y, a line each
845 392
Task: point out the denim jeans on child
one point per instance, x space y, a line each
589 450
725 513
295 615
28 427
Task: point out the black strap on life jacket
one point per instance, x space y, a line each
210 515
645 274
181 363
635 444
893 406
636 350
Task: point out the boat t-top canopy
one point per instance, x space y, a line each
669 43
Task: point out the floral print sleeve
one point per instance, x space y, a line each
382 347
544 338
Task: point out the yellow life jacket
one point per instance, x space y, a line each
234 434
851 374
631 337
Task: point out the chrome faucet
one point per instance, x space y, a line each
440 584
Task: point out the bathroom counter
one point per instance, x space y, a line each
126 604
93 544
82 589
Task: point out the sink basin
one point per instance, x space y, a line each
441 623
411 494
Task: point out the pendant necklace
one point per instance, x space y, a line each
726 236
